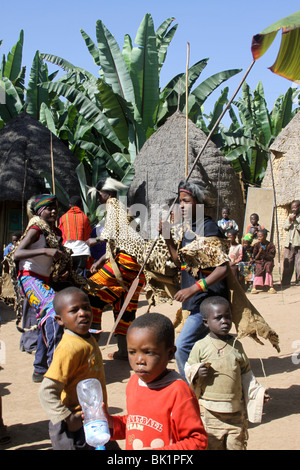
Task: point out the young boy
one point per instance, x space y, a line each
219 371
77 357
226 223
163 413
254 225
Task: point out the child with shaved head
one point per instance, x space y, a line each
219 372
162 411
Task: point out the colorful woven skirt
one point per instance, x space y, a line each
39 295
115 294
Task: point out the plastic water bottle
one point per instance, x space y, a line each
95 424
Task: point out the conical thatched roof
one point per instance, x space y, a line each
160 166
24 152
285 159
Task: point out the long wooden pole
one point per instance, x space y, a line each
276 218
52 164
187 109
135 282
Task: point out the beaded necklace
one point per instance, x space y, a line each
219 350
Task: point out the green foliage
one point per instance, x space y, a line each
106 119
246 143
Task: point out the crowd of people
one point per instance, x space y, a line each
252 260
214 373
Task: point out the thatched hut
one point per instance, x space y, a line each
160 166
24 153
285 161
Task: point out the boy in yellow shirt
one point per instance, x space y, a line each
77 357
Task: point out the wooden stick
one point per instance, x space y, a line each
52 164
276 219
187 109
135 282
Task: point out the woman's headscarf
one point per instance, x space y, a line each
248 237
42 201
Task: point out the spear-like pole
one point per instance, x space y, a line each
134 285
187 110
52 164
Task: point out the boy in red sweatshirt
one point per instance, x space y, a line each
162 411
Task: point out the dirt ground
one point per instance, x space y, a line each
279 372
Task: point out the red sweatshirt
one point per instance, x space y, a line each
161 415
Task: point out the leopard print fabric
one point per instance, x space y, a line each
205 252
121 236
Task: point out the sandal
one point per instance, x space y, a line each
118 356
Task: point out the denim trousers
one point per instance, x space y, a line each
49 335
193 330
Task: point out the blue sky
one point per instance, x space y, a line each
218 29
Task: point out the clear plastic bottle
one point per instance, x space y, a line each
90 396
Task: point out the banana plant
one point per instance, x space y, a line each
12 80
127 91
247 141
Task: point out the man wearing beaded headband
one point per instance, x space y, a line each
208 282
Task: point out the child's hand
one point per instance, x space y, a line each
266 397
53 253
107 415
74 421
203 370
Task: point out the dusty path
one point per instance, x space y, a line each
279 430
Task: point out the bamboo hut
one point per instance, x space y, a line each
285 163
160 166
25 151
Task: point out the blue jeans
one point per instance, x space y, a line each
49 335
192 331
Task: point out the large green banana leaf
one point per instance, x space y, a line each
282 111
287 63
163 39
113 64
90 111
37 95
11 67
116 108
13 104
145 72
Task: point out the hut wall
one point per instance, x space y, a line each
160 166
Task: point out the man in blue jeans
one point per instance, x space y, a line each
209 282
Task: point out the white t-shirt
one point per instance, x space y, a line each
78 247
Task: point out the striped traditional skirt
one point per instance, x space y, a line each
115 294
